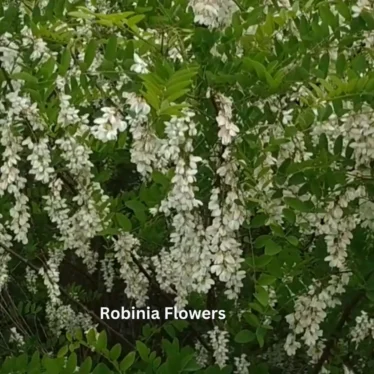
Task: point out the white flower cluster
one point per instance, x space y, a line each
186 266
5 242
40 159
213 13
227 211
311 309
226 250
241 364
4 273
310 312
202 357
16 337
338 228
366 213
145 142
10 57
361 5
68 114
64 318
263 188
31 279
86 219
358 128
219 342
364 327
228 130
126 250
107 268
109 125
272 295
40 51
51 277
11 180
76 156
140 66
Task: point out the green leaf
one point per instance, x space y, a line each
262 261
85 368
244 336
65 62
34 365
91 337
59 8
323 142
115 352
190 364
102 369
161 179
341 65
252 319
261 241
143 350
135 20
259 220
77 14
262 296
272 248
138 208
123 222
127 362
62 352
338 145
343 9
293 240
172 110
53 366
111 49
277 230
266 280
21 362
102 341
359 64
324 64
151 99
90 53
289 215
260 333
25 77
260 70
71 364
297 204
328 17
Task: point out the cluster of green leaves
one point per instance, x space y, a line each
174 359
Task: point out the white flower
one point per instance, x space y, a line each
361 6
16 337
219 342
213 13
109 125
140 65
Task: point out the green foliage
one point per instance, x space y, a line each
296 74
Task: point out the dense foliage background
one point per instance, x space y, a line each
202 154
